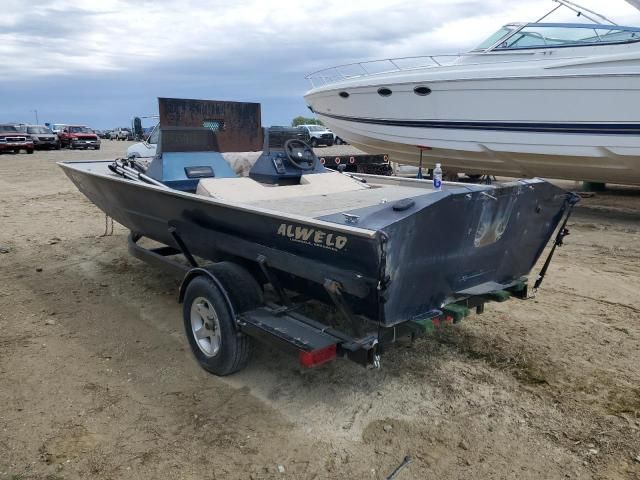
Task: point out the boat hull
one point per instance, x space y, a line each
555 120
404 261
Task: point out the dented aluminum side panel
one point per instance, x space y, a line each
477 240
465 238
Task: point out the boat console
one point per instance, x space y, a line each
202 139
287 168
286 157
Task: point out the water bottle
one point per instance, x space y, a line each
437 178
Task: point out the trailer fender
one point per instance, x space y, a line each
238 287
197 272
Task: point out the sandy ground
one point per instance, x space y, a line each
97 381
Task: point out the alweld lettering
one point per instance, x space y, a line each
312 236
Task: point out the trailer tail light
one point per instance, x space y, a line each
322 160
442 320
352 160
318 357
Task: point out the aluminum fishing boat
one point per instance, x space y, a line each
556 100
267 232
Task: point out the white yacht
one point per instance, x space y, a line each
556 100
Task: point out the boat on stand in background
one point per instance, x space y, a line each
556 100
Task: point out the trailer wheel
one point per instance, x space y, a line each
209 325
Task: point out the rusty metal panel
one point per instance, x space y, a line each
183 139
235 126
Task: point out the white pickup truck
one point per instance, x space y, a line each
121 134
319 135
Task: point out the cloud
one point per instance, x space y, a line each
103 61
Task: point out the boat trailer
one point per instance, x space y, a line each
282 320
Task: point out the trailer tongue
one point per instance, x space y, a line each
271 245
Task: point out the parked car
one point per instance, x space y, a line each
79 136
12 140
319 135
147 148
43 137
56 127
122 134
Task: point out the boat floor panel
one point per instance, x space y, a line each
327 204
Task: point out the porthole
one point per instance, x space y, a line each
344 94
422 91
384 92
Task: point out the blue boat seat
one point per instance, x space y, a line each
176 162
178 169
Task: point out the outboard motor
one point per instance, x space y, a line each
286 156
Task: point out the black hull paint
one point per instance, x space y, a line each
461 242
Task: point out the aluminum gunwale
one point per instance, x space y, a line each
360 232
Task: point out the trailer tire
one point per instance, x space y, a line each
208 313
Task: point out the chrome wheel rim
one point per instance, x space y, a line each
205 327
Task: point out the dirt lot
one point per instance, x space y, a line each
97 381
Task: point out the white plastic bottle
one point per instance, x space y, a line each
437 178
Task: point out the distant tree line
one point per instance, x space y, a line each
300 120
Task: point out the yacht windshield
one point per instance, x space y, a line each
546 35
503 32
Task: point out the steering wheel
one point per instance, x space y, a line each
298 151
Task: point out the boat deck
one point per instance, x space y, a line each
317 196
320 205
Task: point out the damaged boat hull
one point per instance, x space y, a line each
400 261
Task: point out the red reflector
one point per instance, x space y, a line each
386 158
322 160
318 357
352 160
338 160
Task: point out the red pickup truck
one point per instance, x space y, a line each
13 140
79 136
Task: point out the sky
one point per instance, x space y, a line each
100 63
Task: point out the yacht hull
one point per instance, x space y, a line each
570 121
